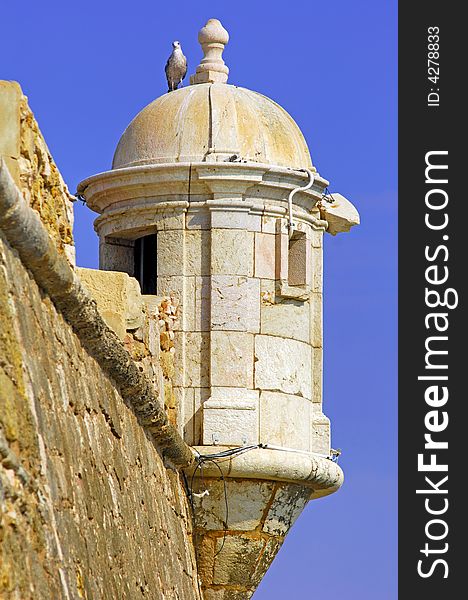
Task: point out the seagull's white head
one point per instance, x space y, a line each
176 45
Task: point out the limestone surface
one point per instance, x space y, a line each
176 128
88 507
118 298
235 303
33 168
283 365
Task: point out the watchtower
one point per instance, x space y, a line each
213 198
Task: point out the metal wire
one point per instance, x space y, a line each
327 195
80 197
201 459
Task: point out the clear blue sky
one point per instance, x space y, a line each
89 67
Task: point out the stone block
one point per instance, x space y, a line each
316 319
202 304
320 434
283 365
230 417
192 399
200 396
144 221
117 255
265 260
236 560
197 252
183 252
198 218
232 359
232 252
316 238
317 370
288 319
229 426
10 123
192 359
282 226
317 269
117 296
247 503
267 292
170 253
287 505
184 400
168 220
205 548
208 76
285 420
235 303
268 224
281 254
271 550
232 397
235 219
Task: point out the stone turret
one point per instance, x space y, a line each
213 198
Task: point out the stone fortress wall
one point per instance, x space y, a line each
88 508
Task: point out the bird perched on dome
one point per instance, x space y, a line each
176 67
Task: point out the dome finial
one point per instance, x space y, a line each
213 37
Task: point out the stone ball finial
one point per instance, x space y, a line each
212 37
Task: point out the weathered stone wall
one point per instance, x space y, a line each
33 168
145 325
88 508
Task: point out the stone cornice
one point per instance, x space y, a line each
104 188
321 474
245 187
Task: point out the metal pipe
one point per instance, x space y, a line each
290 199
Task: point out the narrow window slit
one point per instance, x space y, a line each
145 267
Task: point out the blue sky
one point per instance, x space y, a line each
89 67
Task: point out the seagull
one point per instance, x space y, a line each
176 67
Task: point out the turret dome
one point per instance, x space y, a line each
212 122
